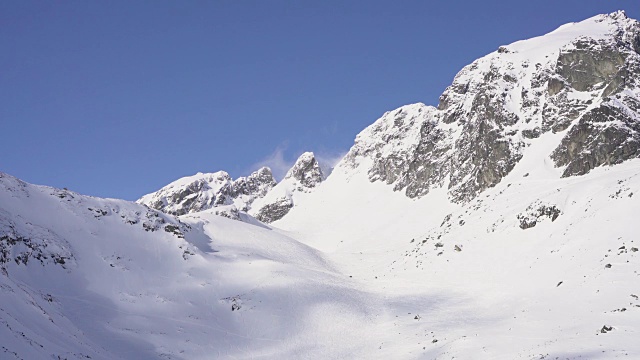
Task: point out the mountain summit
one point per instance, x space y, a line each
575 89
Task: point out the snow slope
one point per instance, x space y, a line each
229 289
137 284
482 285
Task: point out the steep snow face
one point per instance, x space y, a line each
215 191
580 80
305 175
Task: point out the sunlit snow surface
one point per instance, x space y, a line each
537 267
237 290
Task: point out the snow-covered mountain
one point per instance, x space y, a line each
499 224
580 81
216 191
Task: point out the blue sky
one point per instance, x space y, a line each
119 98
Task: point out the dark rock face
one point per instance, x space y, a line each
606 135
429 164
423 163
465 144
193 197
589 64
483 157
274 211
254 186
256 183
407 149
609 133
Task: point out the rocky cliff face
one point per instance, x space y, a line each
216 191
305 175
608 132
580 80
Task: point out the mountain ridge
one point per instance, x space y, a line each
579 79
258 194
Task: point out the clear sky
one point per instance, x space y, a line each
119 98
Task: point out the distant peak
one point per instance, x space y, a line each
305 156
216 176
306 170
263 171
618 15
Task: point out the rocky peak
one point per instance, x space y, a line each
581 78
258 183
303 176
218 193
394 146
616 15
306 170
212 190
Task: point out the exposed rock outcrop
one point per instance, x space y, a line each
305 175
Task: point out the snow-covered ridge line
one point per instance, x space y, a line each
212 190
257 194
580 80
572 78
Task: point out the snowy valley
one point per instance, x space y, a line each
498 225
